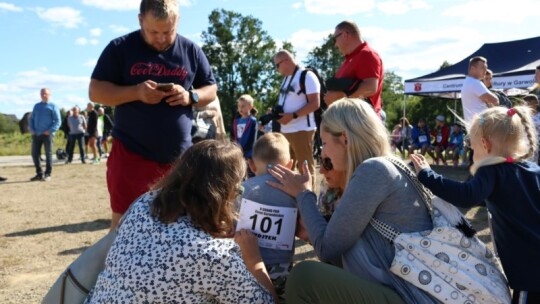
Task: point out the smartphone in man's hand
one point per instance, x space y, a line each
164 86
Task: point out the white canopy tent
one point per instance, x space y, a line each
513 64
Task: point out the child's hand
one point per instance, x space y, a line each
419 162
249 246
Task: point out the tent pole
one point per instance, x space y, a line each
455 106
404 115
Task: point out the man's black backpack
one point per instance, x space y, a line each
61 154
322 105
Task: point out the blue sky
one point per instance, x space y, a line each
55 44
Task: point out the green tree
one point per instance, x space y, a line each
325 58
444 65
8 123
392 96
240 53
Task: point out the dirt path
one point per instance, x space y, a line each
44 226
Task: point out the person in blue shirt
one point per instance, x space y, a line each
244 129
455 145
44 121
502 139
271 149
420 137
152 121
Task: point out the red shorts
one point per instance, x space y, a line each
129 175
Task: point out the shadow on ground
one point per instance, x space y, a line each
96 225
74 251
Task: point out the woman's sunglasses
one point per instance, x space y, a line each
327 164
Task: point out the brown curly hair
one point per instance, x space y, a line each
203 184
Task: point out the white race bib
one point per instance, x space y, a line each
273 226
439 138
240 130
422 138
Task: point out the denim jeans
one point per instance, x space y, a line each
37 142
98 144
79 138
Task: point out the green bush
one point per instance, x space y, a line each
15 143
7 124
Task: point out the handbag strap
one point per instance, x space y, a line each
424 192
388 232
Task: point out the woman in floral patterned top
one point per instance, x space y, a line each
175 245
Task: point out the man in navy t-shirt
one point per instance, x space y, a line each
152 123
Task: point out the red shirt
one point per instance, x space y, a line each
441 136
364 63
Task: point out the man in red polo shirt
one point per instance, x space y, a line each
361 62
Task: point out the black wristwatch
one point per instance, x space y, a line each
194 97
294 115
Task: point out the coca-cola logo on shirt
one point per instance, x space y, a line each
159 70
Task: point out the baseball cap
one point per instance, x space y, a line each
440 118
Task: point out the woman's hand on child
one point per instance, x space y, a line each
249 246
289 181
419 162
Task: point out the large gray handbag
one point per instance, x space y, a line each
74 284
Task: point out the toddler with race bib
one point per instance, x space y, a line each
270 149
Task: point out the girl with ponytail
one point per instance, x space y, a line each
503 140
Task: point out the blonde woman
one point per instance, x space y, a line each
356 141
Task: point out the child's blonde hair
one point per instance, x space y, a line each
247 99
511 132
272 148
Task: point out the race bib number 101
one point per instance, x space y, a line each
273 226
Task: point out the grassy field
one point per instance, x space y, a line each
20 144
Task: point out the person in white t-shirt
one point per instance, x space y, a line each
297 120
475 97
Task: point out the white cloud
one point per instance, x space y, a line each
305 40
119 29
61 16
90 63
399 7
10 7
86 41
352 7
499 11
81 41
117 5
413 52
123 5
343 7
19 95
95 32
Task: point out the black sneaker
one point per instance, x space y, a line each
36 178
2 179
46 178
